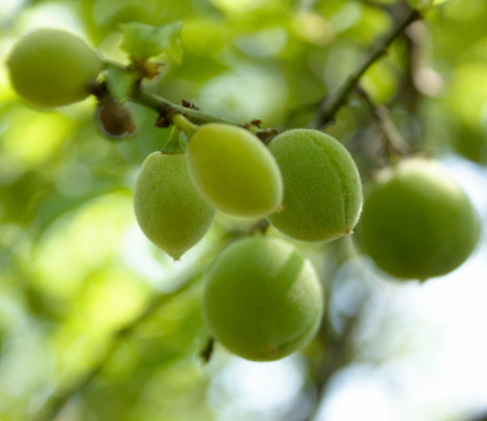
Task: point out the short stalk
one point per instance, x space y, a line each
182 123
173 145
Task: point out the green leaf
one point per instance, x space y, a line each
424 5
438 2
120 82
143 41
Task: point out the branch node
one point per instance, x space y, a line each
267 135
188 104
255 122
166 114
261 226
99 90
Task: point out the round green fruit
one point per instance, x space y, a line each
417 222
322 187
52 68
262 300
169 210
233 170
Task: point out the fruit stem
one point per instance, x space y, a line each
173 145
184 124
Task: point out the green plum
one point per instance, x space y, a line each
169 210
52 67
233 170
322 186
262 300
417 222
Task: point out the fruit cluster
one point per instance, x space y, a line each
261 299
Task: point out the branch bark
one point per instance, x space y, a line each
386 125
167 110
329 108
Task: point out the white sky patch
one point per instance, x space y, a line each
10 8
472 177
263 386
359 393
250 391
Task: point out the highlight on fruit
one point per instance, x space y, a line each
322 187
262 300
233 170
417 222
51 67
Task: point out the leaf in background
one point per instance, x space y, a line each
120 82
142 41
425 4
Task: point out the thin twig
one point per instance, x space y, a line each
411 96
383 119
207 352
330 107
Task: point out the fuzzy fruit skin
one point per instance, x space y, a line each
262 300
322 187
168 209
52 67
233 170
417 221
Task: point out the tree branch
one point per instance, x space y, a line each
330 107
326 113
409 93
167 109
64 393
385 123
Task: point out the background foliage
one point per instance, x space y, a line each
74 267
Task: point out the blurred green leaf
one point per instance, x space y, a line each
142 41
120 82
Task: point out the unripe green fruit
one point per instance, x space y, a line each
52 68
322 187
233 170
262 300
168 209
417 221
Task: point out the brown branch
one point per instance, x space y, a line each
383 119
167 110
326 113
409 93
207 352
